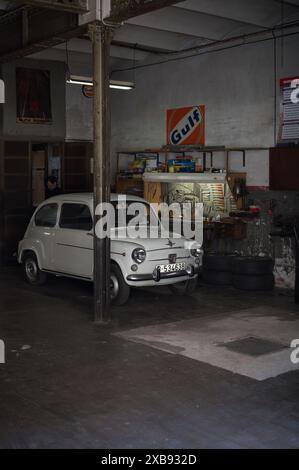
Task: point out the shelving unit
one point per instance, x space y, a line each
183 150
148 183
185 177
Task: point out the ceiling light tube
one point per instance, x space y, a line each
121 85
78 80
116 84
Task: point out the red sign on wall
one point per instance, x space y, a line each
88 91
186 126
289 109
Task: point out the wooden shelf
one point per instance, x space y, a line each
184 177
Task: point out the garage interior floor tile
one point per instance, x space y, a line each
209 339
78 384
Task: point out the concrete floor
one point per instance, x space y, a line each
68 383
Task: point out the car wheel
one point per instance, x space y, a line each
184 288
33 274
119 289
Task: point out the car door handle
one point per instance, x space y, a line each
90 234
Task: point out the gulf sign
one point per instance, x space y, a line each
186 126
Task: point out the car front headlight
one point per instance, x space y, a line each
196 252
139 255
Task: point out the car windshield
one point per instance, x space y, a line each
134 212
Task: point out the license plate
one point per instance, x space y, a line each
172 268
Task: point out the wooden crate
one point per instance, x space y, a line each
133 186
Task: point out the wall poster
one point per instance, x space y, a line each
289 109
33 94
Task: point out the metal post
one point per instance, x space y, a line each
101 40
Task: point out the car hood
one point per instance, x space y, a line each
170 244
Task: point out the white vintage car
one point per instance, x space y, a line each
59 241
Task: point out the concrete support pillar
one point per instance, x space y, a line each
101 40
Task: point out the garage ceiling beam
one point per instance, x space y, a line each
191 23
117 49
27 30
221 17
259 13
73 6
288 2
155 39
122 10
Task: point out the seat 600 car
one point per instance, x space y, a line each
59 241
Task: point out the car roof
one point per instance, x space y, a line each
88 197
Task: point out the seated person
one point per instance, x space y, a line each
52 188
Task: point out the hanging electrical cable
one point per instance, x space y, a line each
245 39
68 72
185 57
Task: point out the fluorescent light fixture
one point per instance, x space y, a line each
78 80
121 85
116 84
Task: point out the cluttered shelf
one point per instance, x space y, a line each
164 152
179 166
182 175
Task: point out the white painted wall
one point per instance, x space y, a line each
237 87
79 118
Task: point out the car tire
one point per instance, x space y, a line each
253 266
217 278
217 262
33 274
253 283
185 287
120 291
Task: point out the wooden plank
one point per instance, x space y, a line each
153 192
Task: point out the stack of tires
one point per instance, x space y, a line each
246 273
217 269
253 273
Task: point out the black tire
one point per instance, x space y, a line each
253 266
122 291
32 273
216 262
253 283
184 288
218 278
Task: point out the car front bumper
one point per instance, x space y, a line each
156 276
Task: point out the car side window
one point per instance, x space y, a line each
75 216
46 216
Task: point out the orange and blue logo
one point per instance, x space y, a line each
186 126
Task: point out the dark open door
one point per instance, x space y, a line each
77 167
15 195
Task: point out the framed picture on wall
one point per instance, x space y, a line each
33 95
